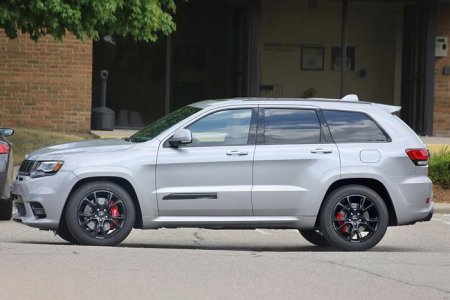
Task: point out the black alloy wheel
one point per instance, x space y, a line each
100 213
355 218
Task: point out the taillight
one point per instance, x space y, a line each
4 148
418 156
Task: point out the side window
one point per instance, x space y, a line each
353 127
290 126
223 128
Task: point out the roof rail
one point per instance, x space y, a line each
350 97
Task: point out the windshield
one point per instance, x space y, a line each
150 131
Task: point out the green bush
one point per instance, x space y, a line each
439 168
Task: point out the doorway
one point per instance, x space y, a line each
417 62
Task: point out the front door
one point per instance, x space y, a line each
212 176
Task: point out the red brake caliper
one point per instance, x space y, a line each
340 216
114 213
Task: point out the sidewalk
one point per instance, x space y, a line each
121 133
436 143
441 208
114 134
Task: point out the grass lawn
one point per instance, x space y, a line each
27 140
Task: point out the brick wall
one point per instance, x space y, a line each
45 84
441 126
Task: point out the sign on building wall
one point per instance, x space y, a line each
336 58
312 58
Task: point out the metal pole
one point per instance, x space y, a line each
168 68
429 68
344 46
104 77
254 48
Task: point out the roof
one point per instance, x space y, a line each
334 103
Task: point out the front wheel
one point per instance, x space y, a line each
100 213
315 237
65 235
354 218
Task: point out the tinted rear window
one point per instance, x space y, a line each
348 127
291 126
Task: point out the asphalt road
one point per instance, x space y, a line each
412 262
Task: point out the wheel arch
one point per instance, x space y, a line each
125 184
374 184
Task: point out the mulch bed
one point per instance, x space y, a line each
440 194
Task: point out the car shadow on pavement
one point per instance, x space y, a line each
251 248
262 248
245 248
257 248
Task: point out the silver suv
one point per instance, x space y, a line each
340 171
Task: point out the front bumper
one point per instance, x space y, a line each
39 202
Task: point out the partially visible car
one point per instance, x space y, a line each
6 173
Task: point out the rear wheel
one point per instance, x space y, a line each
315 236
5 209
100 213
354 218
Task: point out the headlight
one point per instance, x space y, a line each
46 168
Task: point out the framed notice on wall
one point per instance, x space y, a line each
312 58
336 58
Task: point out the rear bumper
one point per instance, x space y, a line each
412 199
428 218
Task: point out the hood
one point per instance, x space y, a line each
93 146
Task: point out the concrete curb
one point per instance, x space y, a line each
441 208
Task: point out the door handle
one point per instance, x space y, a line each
237 152
323 151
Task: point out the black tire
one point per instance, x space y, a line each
354 218
63 233
100 213
5 210
315 237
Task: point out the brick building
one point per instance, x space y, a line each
45 84
441 116
230 48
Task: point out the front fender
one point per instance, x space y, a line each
142 183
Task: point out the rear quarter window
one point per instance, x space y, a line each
353 127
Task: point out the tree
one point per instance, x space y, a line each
141 19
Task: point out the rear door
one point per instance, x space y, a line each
294 160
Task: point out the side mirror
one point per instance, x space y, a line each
6 131
180 137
